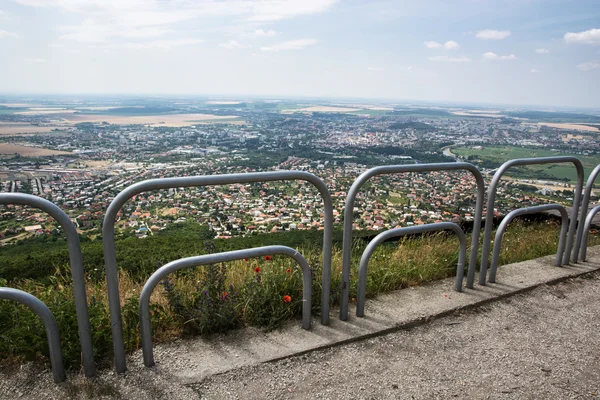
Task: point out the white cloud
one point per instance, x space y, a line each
542 51
449 45
35 60
290 45
450 59
156 44
375 69
260 33
433 45
588 66
591 36
233 44
5 34
490 34
493 57
56 45
534 71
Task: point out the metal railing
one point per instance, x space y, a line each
394 169
585 203
77 272
524 211
489 218
411 230
50 325
108 235
158 275
586 231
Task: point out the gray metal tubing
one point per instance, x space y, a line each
524 211
585 203
489 216
108 235
159 274
586 231
394 169
411 230
77 271
50 325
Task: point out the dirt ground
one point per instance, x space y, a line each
26 151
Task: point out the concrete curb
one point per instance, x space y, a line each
192 361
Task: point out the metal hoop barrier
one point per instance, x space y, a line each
77 272
146 330
586 231
524 211
394 169
52 334
108 235
411 230
489 217
585 203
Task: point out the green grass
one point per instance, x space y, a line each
206 300
500 154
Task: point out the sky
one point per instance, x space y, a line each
526 52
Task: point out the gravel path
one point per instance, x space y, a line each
544 344
541 345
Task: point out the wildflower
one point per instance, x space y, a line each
268 258
245 259
224 297
257 269
287 299
288 271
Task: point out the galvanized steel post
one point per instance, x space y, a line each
586 231
108 235
394 169
411 230
585 203
489 218
162 272
524 211
50 325
77 271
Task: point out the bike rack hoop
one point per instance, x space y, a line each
77 271
159 274
108 235
489 217
52 334
524 211
395 169
411 230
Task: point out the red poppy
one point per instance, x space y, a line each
225 294
257 269
245 259
287 299
288 271
268 258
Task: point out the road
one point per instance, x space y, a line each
543 344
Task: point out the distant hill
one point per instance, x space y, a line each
420 126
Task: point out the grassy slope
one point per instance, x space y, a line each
244 296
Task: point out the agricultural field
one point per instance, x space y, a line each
490 155
24 129
26 151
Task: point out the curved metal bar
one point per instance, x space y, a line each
50 325
77 271
108 235
410 230
524 211
394 169
585 203
586 231
489 216
159 274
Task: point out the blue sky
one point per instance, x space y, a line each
539 52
